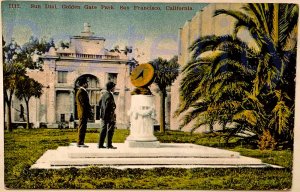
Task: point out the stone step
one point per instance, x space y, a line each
171 150
156 161
167 155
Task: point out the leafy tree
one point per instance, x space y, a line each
27 88
12 72
32 50
3 60
165 74
15 61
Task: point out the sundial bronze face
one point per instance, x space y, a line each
142 75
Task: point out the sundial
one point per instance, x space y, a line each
141 77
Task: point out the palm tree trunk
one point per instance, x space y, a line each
4 110
224 125
211 127
162 112
8 101
27 117
9 124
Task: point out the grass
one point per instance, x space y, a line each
282 158
23 147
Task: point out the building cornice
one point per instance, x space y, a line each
88 37
49 57
95 60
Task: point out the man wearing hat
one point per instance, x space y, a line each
108 116
83 110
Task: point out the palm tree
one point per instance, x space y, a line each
243 85
274 29
12 71
27 88
272 26
165 74
219 81
16 60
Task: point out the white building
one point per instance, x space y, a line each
86 56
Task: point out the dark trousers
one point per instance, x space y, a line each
81 130
107 128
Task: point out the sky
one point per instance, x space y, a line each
152 33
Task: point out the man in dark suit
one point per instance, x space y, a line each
83 110
107 116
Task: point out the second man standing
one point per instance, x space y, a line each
107 116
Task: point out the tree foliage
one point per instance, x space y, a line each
12 72
253 89
27 88
165 74
16 59
32 50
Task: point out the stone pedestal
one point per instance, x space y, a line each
142 114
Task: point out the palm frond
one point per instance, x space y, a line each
291 15
256 11
198 125
197 110
244 19
248 116
275 24
194 64
280 117
207 43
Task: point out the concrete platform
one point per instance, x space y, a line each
167 155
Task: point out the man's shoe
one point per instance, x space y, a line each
101 147
111 147
84 146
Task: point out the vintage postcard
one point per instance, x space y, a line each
160 95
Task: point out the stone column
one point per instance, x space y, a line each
142 114
121 113
168 108
51 78
37 117
175 102
71 124
51 104
72 101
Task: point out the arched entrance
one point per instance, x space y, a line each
93 92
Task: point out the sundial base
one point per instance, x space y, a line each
142 113
170 155
142 144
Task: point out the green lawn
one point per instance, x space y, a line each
23 147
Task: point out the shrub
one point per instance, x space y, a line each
267 141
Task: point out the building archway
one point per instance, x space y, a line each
94 92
